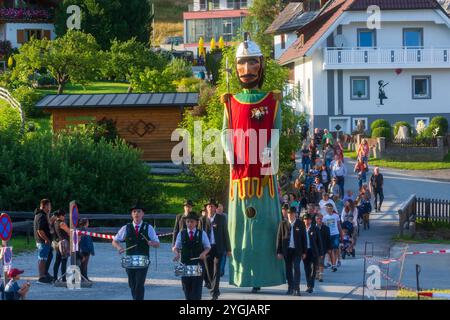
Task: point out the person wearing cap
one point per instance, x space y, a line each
314 248
291 246
334 223
138 236
13 291
180 223
215 226
191 245
284 211
254 206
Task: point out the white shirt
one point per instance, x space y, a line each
339 171
122 234
344 216
291 240
212 240
323 209
331 221
205 240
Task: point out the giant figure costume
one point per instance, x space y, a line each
254 206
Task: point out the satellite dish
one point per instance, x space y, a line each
339 41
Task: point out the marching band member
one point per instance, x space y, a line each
138 236
194 245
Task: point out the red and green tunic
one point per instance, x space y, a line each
253 239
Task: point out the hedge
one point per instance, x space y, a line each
442 123
381 132
380 123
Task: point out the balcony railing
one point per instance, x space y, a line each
25 15
209 6
373 58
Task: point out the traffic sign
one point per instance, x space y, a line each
5 227
74 215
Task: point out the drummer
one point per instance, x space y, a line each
191 243
139 236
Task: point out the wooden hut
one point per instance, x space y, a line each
145 120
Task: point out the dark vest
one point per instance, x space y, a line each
142 248
191 249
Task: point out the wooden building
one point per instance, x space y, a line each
145 120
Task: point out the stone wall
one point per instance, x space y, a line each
412 154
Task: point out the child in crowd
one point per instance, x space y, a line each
13 291
86 249
361 170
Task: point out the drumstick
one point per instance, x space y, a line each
198 258
145 237
130 247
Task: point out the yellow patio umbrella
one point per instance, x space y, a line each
212 44
201 47
221 43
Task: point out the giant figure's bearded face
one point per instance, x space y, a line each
250 72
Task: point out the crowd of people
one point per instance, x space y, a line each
321 218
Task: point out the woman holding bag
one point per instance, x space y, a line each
62 233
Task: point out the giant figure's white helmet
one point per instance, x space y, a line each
248 48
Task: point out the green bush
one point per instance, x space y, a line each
178 69
381 132
442 123
380 123
100 176
399 124
10 124
28 98
432 131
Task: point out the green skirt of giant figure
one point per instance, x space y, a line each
253 240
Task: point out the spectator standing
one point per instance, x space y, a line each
306 159
376 187
314 248
43 239
339 171
291 246
364 151
333 222
324 233
62 233
86 249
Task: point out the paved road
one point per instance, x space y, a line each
110 279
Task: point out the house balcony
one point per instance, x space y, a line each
385 58
20 15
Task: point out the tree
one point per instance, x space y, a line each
73 57
261 15
151 80
109 19
125 57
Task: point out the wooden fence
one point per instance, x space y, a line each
427 210
26 225
433 210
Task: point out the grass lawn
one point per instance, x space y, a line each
169 18
408 295
19 244
405 165
175 190
408 239
94 87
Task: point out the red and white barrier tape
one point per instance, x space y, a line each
429 252
111 237
435 295
411 253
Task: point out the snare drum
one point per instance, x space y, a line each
183 270
135 262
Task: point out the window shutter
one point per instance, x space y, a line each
20 36
47 34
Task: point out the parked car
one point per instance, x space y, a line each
175 40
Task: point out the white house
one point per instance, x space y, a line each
350 69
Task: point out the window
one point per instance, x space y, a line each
413 38
367 38
363 120
227 29
244 4
421 87
283 41
33 33
216 4
359 88
230 4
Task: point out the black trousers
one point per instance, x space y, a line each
378 195
192 287
212 268
310 263
292 262
136 281
59 261
49 260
